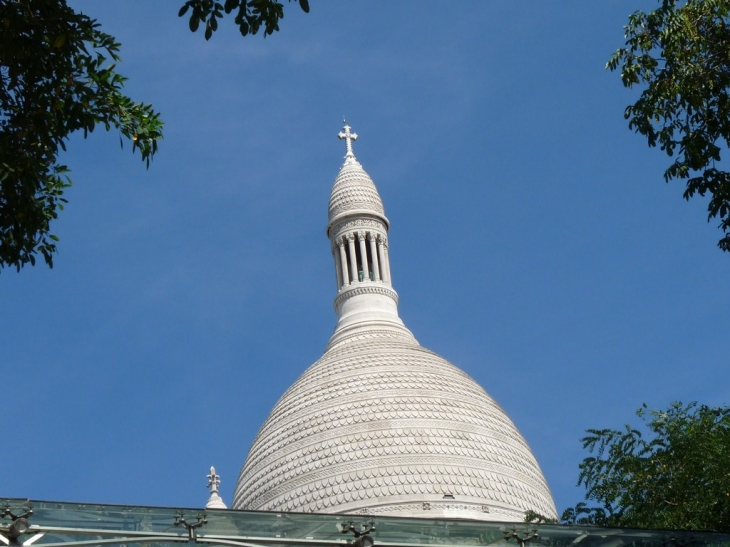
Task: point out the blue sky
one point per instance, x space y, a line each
533 241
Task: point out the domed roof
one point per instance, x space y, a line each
380 425
354 192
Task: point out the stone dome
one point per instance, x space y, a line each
354 192
380 425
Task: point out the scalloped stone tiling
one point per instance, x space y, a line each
379 424
354 190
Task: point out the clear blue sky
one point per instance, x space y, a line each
533 241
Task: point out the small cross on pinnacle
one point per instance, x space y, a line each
348 138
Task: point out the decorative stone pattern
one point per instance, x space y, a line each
380 425
380 422
354 191
463 510
365 289
357 223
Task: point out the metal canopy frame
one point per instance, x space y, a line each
27 523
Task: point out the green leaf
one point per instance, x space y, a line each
678 57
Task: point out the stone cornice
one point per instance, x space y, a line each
365 287
373 222
358 214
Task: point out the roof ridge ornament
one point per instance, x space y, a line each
348 137
215 501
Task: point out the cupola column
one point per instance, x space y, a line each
363 256
387 261
344 279
338 268
374 254
383 264
353 262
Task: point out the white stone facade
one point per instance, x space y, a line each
380 425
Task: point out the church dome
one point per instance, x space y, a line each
380 425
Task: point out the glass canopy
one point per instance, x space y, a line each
54 524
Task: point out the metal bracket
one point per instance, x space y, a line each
180 520
521 537
7 512
9 534
362 536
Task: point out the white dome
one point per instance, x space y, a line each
380 425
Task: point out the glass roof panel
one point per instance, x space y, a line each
76 524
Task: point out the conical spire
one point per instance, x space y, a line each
358 232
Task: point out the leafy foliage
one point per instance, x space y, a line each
681 53
678 477
57 76
538 518
250 14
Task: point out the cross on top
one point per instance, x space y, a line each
348 138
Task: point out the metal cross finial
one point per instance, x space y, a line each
348 137
213 481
